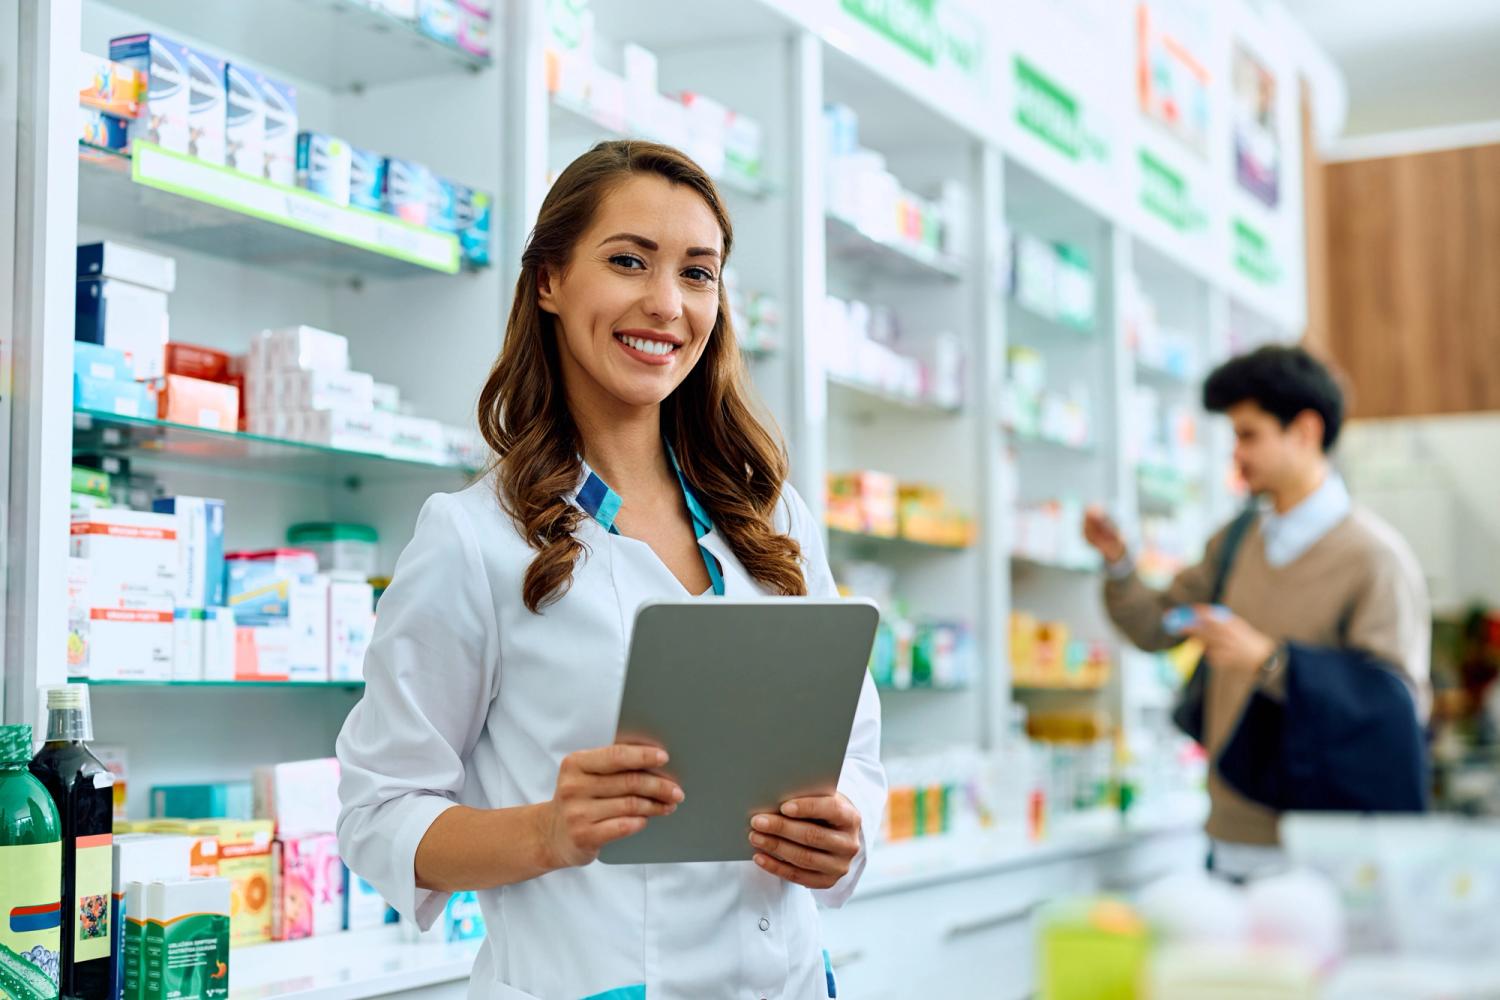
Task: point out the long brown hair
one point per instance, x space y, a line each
728 457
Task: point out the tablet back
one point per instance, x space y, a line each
754 700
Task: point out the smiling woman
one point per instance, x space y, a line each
630 468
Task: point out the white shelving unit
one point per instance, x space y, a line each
416 319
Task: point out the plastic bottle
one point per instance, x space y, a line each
83 790
30 875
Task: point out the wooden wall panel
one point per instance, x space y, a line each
1414 281
1316 338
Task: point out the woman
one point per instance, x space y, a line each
630 467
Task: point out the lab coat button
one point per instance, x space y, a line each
765 924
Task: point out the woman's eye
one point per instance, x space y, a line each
627 260
699 274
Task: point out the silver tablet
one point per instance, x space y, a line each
753 700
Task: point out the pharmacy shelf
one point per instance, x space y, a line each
919 863
354 965
1045 687
859 399
178 200
1162 489
890 259
892 543
1038 443
340 45
160 443
215 685
1164 377
918 689
1035 323
1032 562
576 128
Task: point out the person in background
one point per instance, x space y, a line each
1311 588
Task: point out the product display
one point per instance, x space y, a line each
80 787
1054 281
865 346
1052 532
873 503
185 953
165 118
1045 655
1034 411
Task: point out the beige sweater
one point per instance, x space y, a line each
1358 587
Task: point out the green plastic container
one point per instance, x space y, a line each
30 875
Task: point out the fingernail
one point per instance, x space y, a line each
661 758
761 822
677 795
760 860
758 840
791 809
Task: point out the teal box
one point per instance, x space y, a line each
125 399
215 800
96 361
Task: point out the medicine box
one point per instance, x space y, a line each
442 209
474 32
364 432
387 397
242 852
128 317
108 259
324 165
351 620
310 900
111 87
198 403
187 645
280 142
219 636
438 20
366 178
131 644
417 439
132 556
127 399
141 858
105 364
200 548
307 617
263 653
364 906
206 111
78 617
197 362
245 121
185 952
472 210
347 391
259 583
300 796
164 119
98 128
213 800
304 347
407 190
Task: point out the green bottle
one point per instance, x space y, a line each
30 875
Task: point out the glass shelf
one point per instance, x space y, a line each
1038 320
891 259
160 443
1158 375
341 45
216 685
924 689
1042 687
1040 443
869 400
1029 562
898 542
178 200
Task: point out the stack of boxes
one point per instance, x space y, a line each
110 96
122 574
121 307
295 623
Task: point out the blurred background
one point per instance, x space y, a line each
258 257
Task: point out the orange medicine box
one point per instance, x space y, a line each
197 362
245 859
111 87
198 403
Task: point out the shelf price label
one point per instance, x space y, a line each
294 208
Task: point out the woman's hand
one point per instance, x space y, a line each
812 841
602 796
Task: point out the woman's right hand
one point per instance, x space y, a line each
605 795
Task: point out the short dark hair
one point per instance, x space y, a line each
1283 381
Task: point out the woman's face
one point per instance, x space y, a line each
640 296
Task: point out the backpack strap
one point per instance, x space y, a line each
1232 539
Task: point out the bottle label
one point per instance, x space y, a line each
95 874
30 920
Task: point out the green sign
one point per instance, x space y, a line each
1253 256
1166 194
1047 110
934 32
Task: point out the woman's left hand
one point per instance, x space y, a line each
811 842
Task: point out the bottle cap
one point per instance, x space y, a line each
15 744
68 714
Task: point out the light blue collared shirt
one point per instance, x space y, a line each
1288 536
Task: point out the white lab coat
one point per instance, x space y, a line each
470 698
